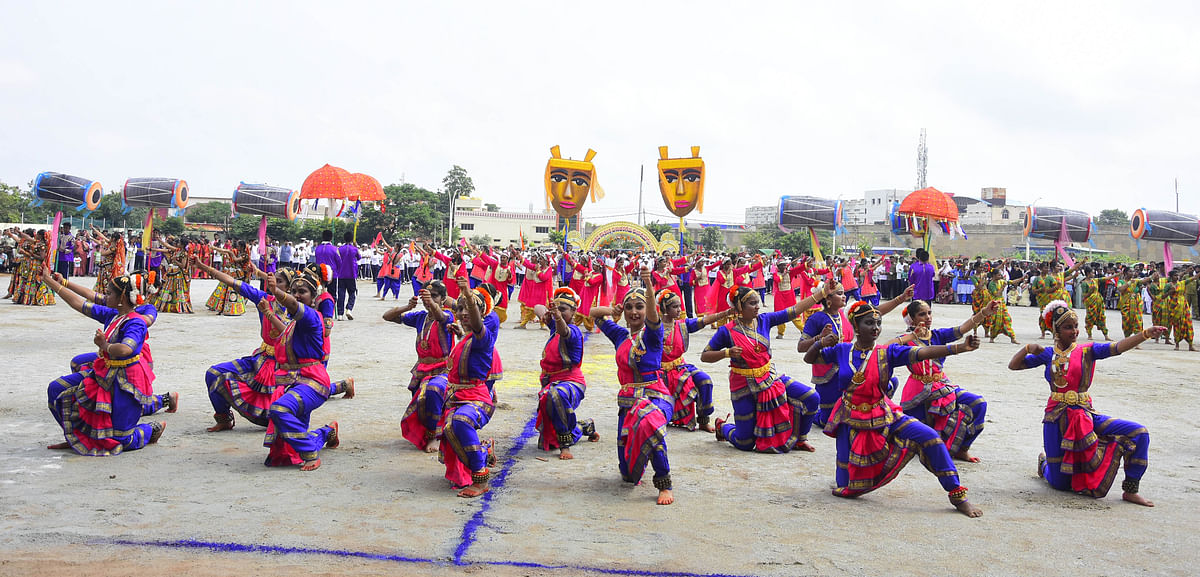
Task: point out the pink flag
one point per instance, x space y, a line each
1061 244
1168 258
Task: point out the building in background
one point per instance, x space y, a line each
503 227
762 215
878 203
854 211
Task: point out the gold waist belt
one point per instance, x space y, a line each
936 377
1071 398
297 366
432 360
863 407
118 363
755 372
668 365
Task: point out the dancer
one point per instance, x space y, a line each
469 400
247 384
539 278
298 370
772 413
1083 449
435 340
224 300
99 406
563 385
928 395
1094 302
784 296
691 387
875 439
175 296
1000 322
824 375
1179 311
1130 301
644 404
112 260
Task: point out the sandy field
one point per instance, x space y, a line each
201 503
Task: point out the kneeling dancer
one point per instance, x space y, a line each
1084 448
563 386
875 439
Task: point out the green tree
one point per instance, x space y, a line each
557 237
169 226
712 239
480 240
658 229
208 212
794 244
14 206
410 210
110 211
491 207
1112 217
759 240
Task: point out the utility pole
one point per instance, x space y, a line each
922 161
1176 194
641 178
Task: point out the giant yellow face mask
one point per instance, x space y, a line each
569 182
681 181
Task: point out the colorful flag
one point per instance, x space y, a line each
521 235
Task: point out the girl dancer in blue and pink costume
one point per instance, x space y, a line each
469 399
1084 448
435 340
875 439
298 369
928 395
563 386
99 406
644 404
772 413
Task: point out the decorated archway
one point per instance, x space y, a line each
607 233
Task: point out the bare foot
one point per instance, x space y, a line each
964 455
564 454
430 448
1012 341
804 446
1136 499
333 440
594 438
1106 337
312 465
349 389
222 425
157 431
1191 348
665 497
966 508
472 491
991 339
172 402
706 427
717 429
59 446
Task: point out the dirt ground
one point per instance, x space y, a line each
202 503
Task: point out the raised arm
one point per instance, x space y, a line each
889 306
560 324
75 301
651 302
976 320
474 319
394 314
434 309
217 274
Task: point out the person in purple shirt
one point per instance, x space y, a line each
345 277
65 264
920 275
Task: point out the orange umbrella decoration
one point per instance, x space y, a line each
336 183
926 207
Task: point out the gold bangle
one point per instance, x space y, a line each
727 351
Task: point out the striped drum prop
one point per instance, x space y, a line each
1164 226
74 191
800 212
155 193
1047 222
272 201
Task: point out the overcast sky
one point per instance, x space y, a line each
1086 105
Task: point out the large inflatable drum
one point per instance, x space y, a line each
75 191
1164 226
156 193
266 200
800 212
1046 222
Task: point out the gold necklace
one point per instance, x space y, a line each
1060 365
859 376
